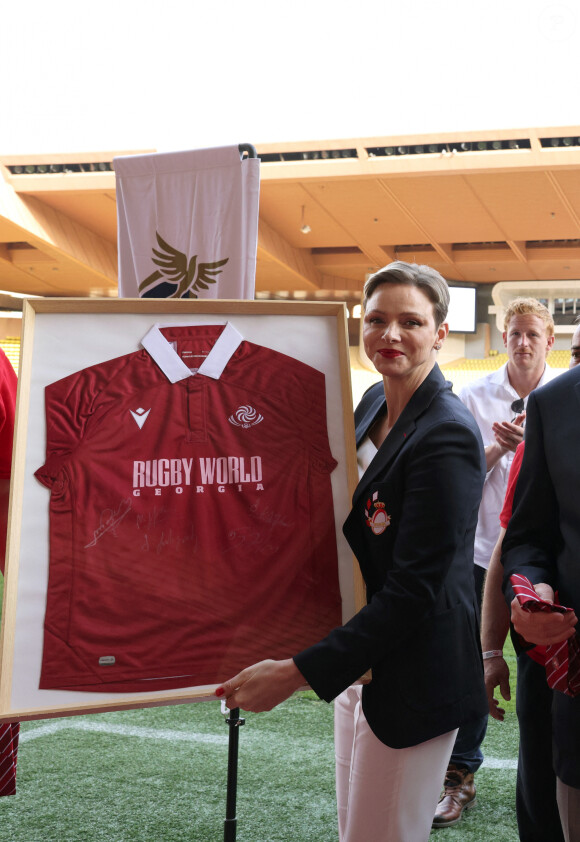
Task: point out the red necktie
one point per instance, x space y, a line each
8 752
562 659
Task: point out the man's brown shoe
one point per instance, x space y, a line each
458 795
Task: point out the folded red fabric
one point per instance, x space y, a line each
8 755
562 659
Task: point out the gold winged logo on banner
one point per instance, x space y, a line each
178 277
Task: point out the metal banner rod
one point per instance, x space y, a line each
247 149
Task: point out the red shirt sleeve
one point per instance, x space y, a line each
7 410
506 512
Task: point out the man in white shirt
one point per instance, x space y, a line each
498 403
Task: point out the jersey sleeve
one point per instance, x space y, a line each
69 405
309 408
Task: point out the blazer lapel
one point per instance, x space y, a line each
375 408
403 429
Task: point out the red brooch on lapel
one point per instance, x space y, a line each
376 515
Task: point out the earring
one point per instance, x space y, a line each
437 346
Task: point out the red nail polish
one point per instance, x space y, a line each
219 691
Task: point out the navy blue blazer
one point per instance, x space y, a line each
542 540
412 528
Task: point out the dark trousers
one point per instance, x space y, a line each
467 753
536 807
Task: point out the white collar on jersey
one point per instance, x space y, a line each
171 364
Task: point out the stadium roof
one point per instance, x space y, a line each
480 207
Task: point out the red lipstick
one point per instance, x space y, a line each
390 353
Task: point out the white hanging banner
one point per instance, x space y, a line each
187 224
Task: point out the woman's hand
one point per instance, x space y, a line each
262 686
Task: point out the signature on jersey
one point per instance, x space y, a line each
109 520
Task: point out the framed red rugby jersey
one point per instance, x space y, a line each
191 518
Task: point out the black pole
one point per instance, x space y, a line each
247 149
230 823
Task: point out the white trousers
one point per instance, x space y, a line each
384 794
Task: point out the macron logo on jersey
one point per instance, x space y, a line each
140 416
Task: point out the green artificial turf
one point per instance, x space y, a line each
159 775
161 781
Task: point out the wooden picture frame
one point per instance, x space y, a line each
63 336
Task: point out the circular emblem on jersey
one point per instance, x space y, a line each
376 516
245 416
